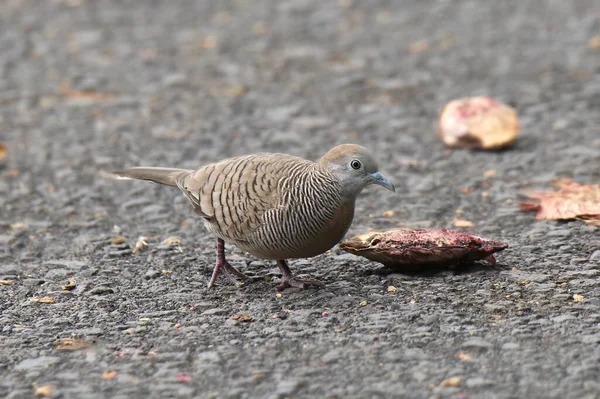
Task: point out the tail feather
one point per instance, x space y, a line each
167 176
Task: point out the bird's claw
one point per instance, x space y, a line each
296 282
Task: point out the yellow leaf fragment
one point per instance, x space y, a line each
578 298
71 285
172 241
45 299
118 240
44 391
109 375
462 223
391 288
140 245
71 344
7 282
242 317
451 382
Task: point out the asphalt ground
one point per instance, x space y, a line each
91 86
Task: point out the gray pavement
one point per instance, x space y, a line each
90 86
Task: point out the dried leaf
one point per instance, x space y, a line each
172 241
66 90
465 357
72 284
462 223
46 299
578 298
242 317
594 42
118 240
3 151
451 382
7 282
44 391
391 288
140 245
478 122
109 375
571 201
411 249
70 344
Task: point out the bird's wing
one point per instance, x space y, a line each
236 194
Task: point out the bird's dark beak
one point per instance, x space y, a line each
381 180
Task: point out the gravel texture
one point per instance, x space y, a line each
90 86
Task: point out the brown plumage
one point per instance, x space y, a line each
274 206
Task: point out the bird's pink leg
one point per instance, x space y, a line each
222 265
289 281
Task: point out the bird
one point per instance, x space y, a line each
274 206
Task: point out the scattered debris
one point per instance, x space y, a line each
571 201
578 298
411 249
363 303
172 241
465 357
7 282
462 223
140 245
242 317
118 240
594 42
183 378
388 214
451 382
478 122
44 391
71 285
71 344
391 288
46 299
67 91
109 375
3 151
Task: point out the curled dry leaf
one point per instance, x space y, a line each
71 285
7 282
571 201
411 249
478 122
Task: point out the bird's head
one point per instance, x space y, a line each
355 167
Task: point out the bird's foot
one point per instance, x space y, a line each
296 282
232 274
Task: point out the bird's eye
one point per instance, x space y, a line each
355 164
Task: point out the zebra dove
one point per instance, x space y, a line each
274 206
